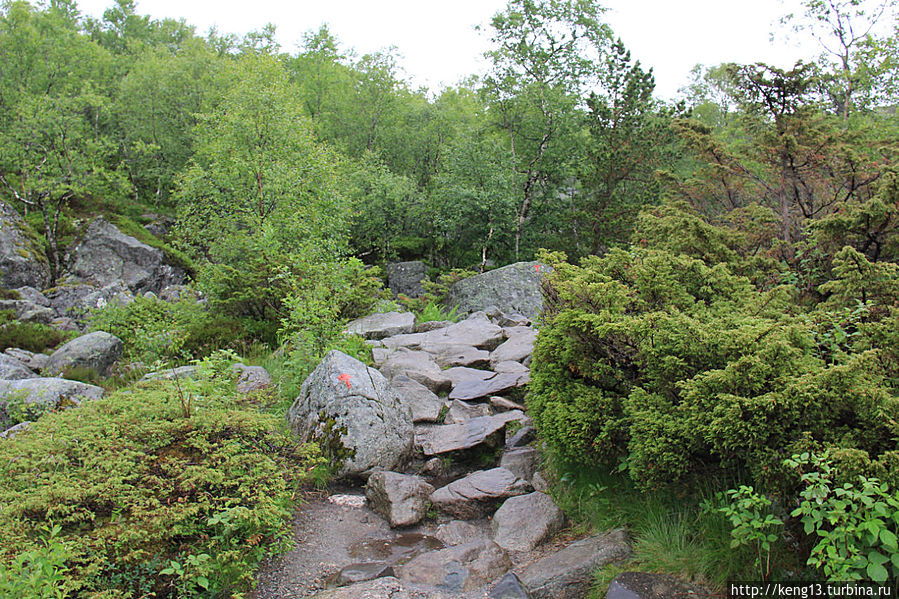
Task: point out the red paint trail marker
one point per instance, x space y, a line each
345 378
537 266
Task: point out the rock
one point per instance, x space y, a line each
511 367
461 374
459 532
380 325
515 288
539 482
462 355
509 588
22 262
402 499
77 299
28 311
105 256
457 569
379 355
517 348
356 415
404 278
251 378
348 500
29 359
503 404
409 341
363 571
476 331
12 369
182 372
44 394
32 295
176 293
521 523
498 383
477 494
432 325
513 319
14 430
64 323
379 588
418 366
97 351
567 573
439 439
433 468
643 585
522 462
460 412
423 403
525 435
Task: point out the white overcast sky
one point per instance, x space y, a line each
439 45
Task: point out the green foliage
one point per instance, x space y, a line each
434 311
40 572
134 485
30 336
856 523
752 525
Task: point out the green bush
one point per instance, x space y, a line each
179 472
678 369
28 335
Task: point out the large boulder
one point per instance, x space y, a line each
404 278
477 495
515 288
98 351
12 369
36 396
106 255
22 261
382 324
355 413
458 569
525 521
402 499
76 299
423 403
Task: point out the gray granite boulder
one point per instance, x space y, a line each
98 351
418 366
423 403
33 295
478 494
475 331
402 499
405 278
523 462
517 348
460 411
459 532
75 299
105 256
251 378
356 415
497 383
170 374
523 522
568 573
382 324
457 569
22 261
30 359
515 288
446 438
12 369
43 394
28 311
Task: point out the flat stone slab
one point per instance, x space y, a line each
13 369
462 355
418 366
410 341
381 325
439 439
567 573
459 532
461 412
477 331
521 523
456 569
421 401
499 383
477 494
517 348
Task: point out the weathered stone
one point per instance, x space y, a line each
363 571
30 359
418 366
460 412
539 482
433 468
404 278
381 325
33 295
459 532
402 499
523 462
12 369
510 367
521 523
517 348
176 293
487 430
423 403
643 585
500 382
379 588
462 374
477 494
379 355
28 311
76 299
14 430
22 262
352 410
462 355
105 256
64 323
432 325
457 569
503 404
476 331
182 372
46 393
567 573
522 437
251 378
513 288
98 351
509 588
513 319
409 341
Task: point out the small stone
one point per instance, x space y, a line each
459 532
503 404
522 462
354 501
522 437
402 499
461 411
457 569
509 588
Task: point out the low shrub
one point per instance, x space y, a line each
151 498
30 336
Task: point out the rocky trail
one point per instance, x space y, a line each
442 495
